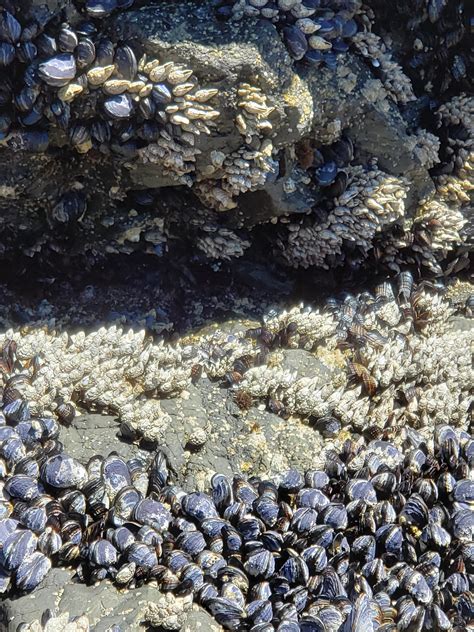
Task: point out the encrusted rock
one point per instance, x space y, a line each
252 104
167 612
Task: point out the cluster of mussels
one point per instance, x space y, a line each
314 31
327 165
439 50
96 93
380 539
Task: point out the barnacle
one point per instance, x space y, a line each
252 119
247 168
124 372
242 170
372 201
437 228
394 80
426 148
435 50
221 243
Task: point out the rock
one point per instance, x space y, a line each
110 178
373 122
194 37
306 364
95 434
198 620
232 440
287 196
132 610
461 323
30 607
303 102
61 206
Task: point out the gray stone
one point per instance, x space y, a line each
461 323
375 126
102 603
230 440
209 433
198 620
288 195
307 365
27 608
95 434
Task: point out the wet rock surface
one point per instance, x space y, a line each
102 604
209 433
334 177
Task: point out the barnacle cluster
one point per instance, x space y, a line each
128 373
252 119
439 225
243 170
394 80
437 228
221 243
364 212
372 201
384 362
250 166
426 147
104 366
455 121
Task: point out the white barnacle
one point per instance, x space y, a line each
98 75
69 92
319 43
116 86
201 113
182 88
178 75
159 73
204 94
307 25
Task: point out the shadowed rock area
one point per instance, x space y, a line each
38 212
